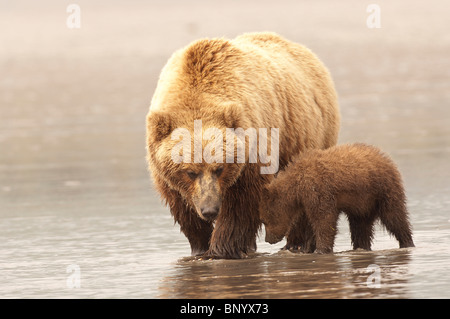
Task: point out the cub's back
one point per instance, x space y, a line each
343 168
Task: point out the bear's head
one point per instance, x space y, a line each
194 154
273 214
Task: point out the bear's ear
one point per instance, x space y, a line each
159 125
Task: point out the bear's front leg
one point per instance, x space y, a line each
197 230
236 227
231 239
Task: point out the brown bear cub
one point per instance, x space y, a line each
304 201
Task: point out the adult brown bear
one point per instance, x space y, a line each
254 82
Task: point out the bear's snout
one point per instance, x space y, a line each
207 198
210 212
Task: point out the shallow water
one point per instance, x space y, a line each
78 215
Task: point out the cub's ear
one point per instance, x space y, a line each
231 116
159 125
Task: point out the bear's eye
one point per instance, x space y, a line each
192 175
218 171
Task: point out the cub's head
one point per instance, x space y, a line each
193 157
273 214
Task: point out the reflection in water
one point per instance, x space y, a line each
288 275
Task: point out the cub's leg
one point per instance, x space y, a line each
323 219
394 216
301 236
361 229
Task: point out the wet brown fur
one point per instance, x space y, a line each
256 80
356 179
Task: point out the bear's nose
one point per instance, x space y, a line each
210 213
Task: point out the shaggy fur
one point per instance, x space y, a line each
356 179
257 80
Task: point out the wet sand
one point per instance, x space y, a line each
75 191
